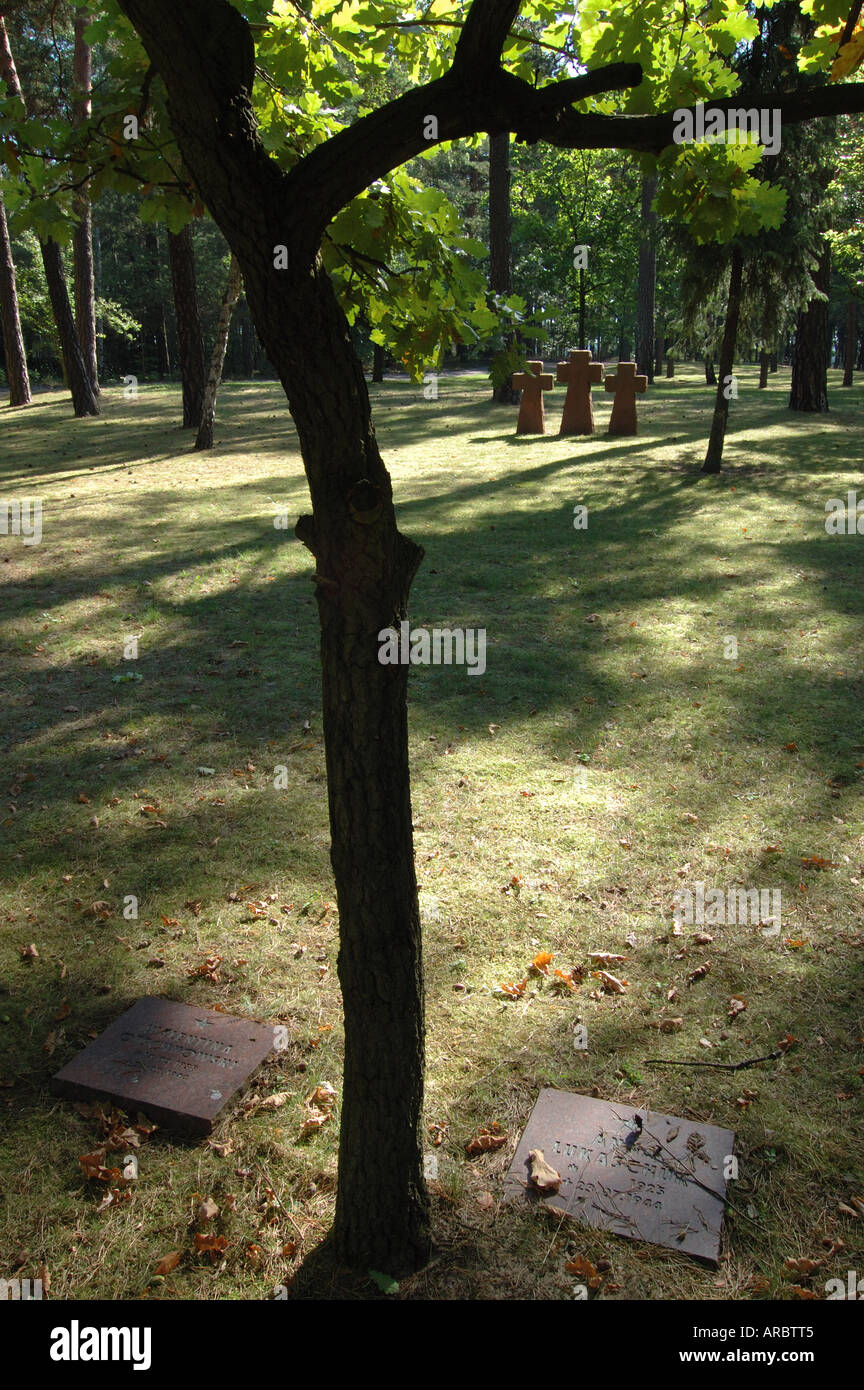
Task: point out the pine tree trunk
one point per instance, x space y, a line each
581 309
378 356
645 333
714 454
763 370
670 367
809 390
75 371
190 341
772 362
849 351
500 240
204 439
710 374
13 339
82 243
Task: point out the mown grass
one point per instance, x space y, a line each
610 754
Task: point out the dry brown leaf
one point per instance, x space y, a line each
737 1005
323 1097
699 973
512 991
28 952
671 1025
610 983
313 1122
541 962
485 1140
541 1174
169 1262
214 1246
274 1102
485 1200
604 957
584 1270
207 1211
802 1268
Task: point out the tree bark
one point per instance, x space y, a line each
13 339
763 369
378 356
714 454
82 244
204 439
645 330
74 369
670 367
809 390
849 347
190 341
500 241
710 374
581 309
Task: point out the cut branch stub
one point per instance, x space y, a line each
365 502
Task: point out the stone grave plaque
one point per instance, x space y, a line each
650 1177
178 1064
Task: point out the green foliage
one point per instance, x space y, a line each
710 186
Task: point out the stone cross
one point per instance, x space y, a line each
578 373
532 384
625 383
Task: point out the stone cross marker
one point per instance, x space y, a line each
179 1064
579 372
643 1175
532 384
625 383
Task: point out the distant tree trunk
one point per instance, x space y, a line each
809 391
13 339
646 285
500 240
246 345
772 362
763 370
82 242
670 367
714 454
659 346
581 309
378 356
849 352
74 369
710 374
190 341
77 377
217 361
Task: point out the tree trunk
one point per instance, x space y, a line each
714 454
645 333
772 362
581 309
710 374
378 356
849 352
500 240
763 370
217 360
809 391
670 367
74 369
13 339
190 342
82 243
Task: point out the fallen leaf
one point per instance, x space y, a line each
512 991
737 1005
671 1025
815 861
610 983
28 952
206 1211
276 1101
214 1246
169 1261
699 973
541 1174
584 1270
541 962
323 1097
313 1122
604 957
485 1140
485 1200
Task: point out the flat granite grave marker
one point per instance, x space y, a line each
635 1172
178 1064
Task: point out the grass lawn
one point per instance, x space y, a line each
612 753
